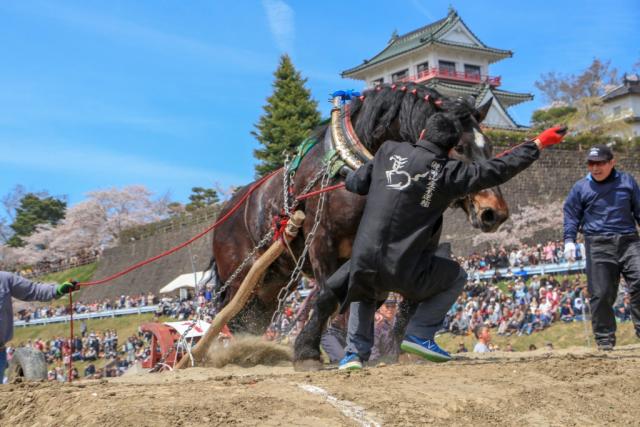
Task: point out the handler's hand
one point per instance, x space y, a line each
66 287
551 136
570 251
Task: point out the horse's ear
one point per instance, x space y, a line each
483 110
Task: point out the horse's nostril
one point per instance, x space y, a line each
488 217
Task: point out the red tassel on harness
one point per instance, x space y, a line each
393 87
279 224
361 98
422 134
414 91
427 97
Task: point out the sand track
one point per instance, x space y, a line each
573 387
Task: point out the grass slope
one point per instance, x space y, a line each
561 335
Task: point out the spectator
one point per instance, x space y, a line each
483 336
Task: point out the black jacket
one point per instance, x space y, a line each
409 187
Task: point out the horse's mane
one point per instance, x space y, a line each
400 112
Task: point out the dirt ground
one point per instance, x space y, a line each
563 388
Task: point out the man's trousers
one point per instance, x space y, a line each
608 257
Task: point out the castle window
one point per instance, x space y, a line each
377 82
447 67
400 75
423 68
472 71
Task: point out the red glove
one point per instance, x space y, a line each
552 136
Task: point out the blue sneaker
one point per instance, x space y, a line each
427 349
351 361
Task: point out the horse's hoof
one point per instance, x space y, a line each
307 365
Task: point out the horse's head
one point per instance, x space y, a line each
487 209
400 112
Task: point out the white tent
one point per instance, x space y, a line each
188 280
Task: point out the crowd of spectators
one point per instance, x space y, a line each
552 252
524 308
48 311
90 347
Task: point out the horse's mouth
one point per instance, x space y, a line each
487 219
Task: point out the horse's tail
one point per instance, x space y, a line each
214 277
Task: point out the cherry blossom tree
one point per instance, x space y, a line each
91 225
524 224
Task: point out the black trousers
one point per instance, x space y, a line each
607 258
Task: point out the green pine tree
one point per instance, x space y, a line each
35 210
201 197
290 115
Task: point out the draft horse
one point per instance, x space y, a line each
388 112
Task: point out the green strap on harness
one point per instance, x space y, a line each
336 162
330 156
303 149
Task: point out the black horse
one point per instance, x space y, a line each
388 112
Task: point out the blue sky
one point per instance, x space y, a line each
164 93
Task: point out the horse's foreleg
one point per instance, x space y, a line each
307 345
406 310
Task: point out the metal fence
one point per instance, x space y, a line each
565 267
92 315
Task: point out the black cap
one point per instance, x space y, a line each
599 153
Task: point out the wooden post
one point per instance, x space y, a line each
244 292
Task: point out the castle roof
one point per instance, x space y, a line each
431 35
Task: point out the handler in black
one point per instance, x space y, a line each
605 207
409 187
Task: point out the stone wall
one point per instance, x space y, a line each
153 276
549 179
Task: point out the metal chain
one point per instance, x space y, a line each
295 275
262 243
287 183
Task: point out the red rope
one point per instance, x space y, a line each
323 190
71 336
509 150
188 242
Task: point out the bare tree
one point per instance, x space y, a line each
569 88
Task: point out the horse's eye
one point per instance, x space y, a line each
459 149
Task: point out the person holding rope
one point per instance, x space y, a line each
605 207
408 188
13 285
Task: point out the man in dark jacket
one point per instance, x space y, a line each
409 187
12 285
605 207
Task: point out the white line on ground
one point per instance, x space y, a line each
348 409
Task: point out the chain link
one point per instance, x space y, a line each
262 243
287 184
325 174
